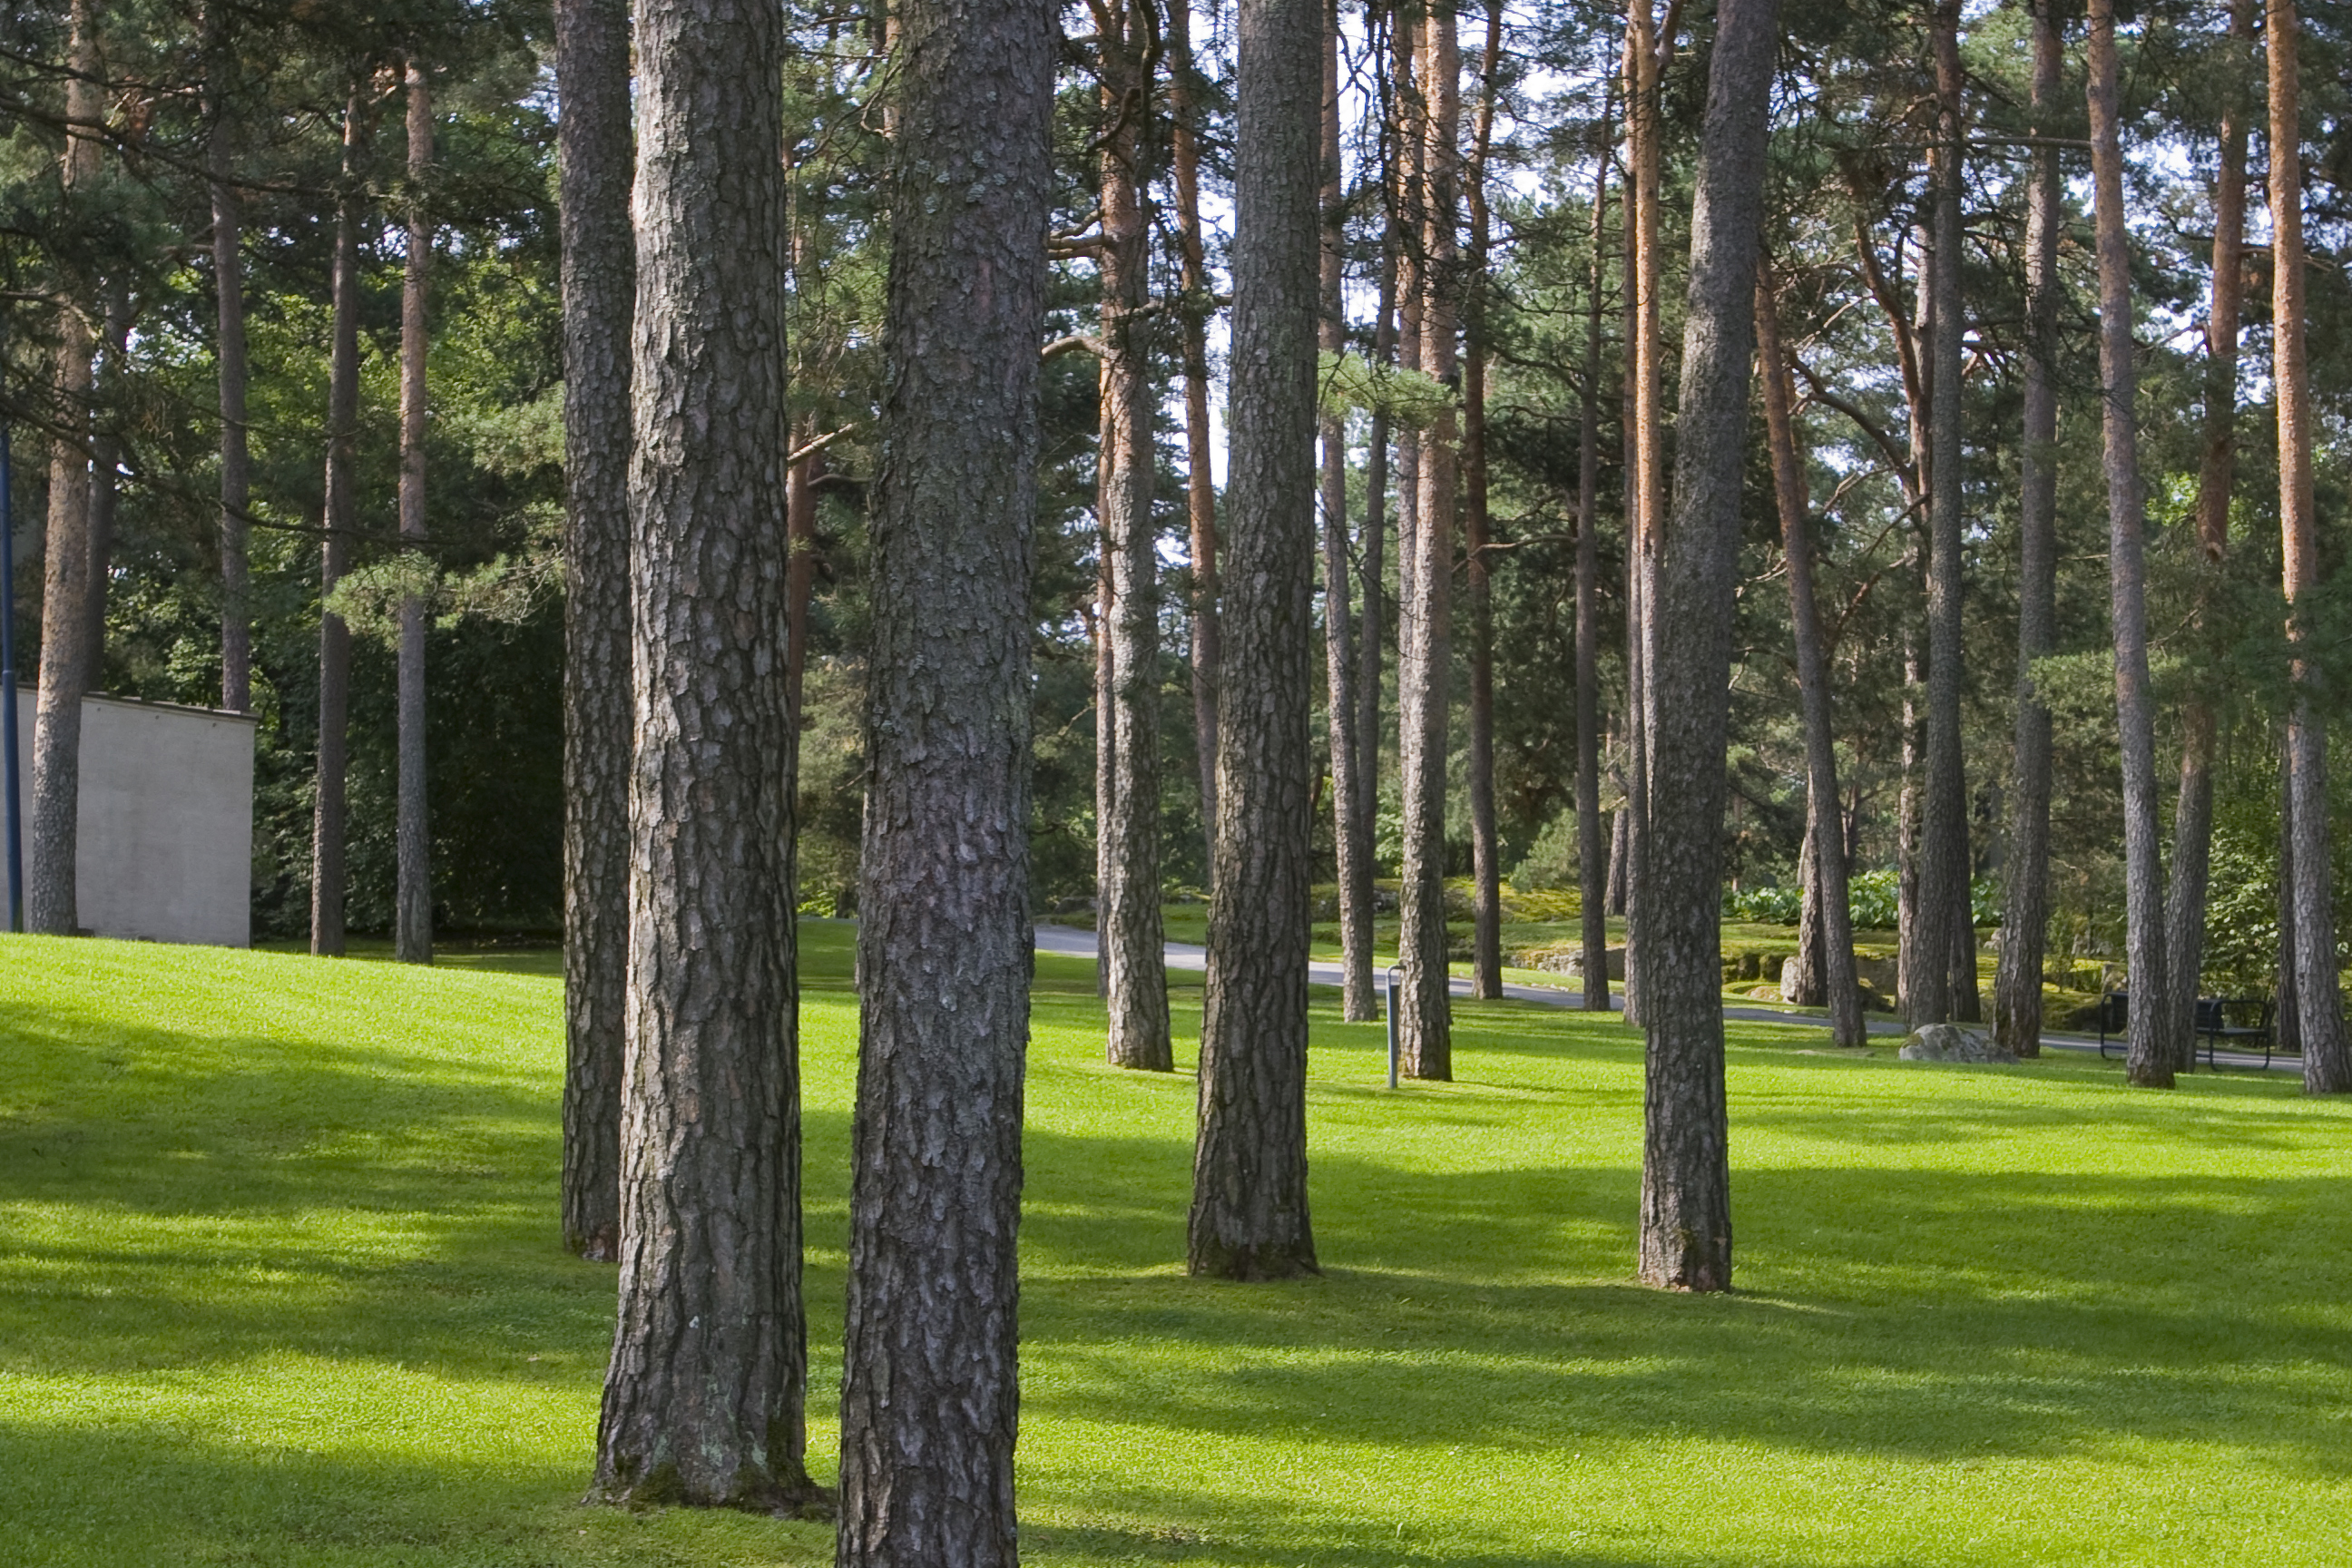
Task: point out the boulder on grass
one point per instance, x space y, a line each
1951 1043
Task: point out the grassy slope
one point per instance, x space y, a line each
278 1285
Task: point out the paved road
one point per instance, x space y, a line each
1075 943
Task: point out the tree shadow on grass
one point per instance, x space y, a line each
1893 1312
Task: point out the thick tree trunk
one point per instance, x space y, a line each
413 903
1947 973
1825 833
2319 1000
931 1383
1685 1233
2152 1054
2017 986
341 518
1200 488
704 1400
1424 662
1249 1218
1486 851
592 71
1591 871
68 649
2193 820
1352 826
1128 923
1621 825
1801 976
236 463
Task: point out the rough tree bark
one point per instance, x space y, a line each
1351 824
2017 984
1424 660
228 291
69 648
341 520
1827 838
2319 999
704 1400
1686 1229
1946 975
594 153
1249 1217
1200 488
2192 817
2151 1051
930 1389
1591 871
1129 925
412 900
1486 851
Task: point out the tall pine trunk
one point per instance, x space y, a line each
2319 1000
594 153
228 292
2152 1054
1424 662
1249 1217
1947 972
1591 869
1128 922
1646 53
1686 1217
1199 487
69 644
413 903
2016 984
705 1398
1486 851
341 520
1351 826
1827 838
2192 818
931 1391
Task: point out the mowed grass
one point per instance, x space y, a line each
279 1285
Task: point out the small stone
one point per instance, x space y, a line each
1951 1043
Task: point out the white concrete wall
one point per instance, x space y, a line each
166 820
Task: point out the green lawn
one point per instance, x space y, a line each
279 1286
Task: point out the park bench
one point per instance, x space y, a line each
2242 1023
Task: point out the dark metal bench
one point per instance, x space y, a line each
2241 1022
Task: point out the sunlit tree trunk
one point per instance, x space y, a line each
2016 984
1351 826
1686 1214
2152 1054
2319 1001
1249 1216
594 154
1591 869
1486 851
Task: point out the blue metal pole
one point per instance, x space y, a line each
1392 1025
15 821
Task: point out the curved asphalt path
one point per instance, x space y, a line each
1073 942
